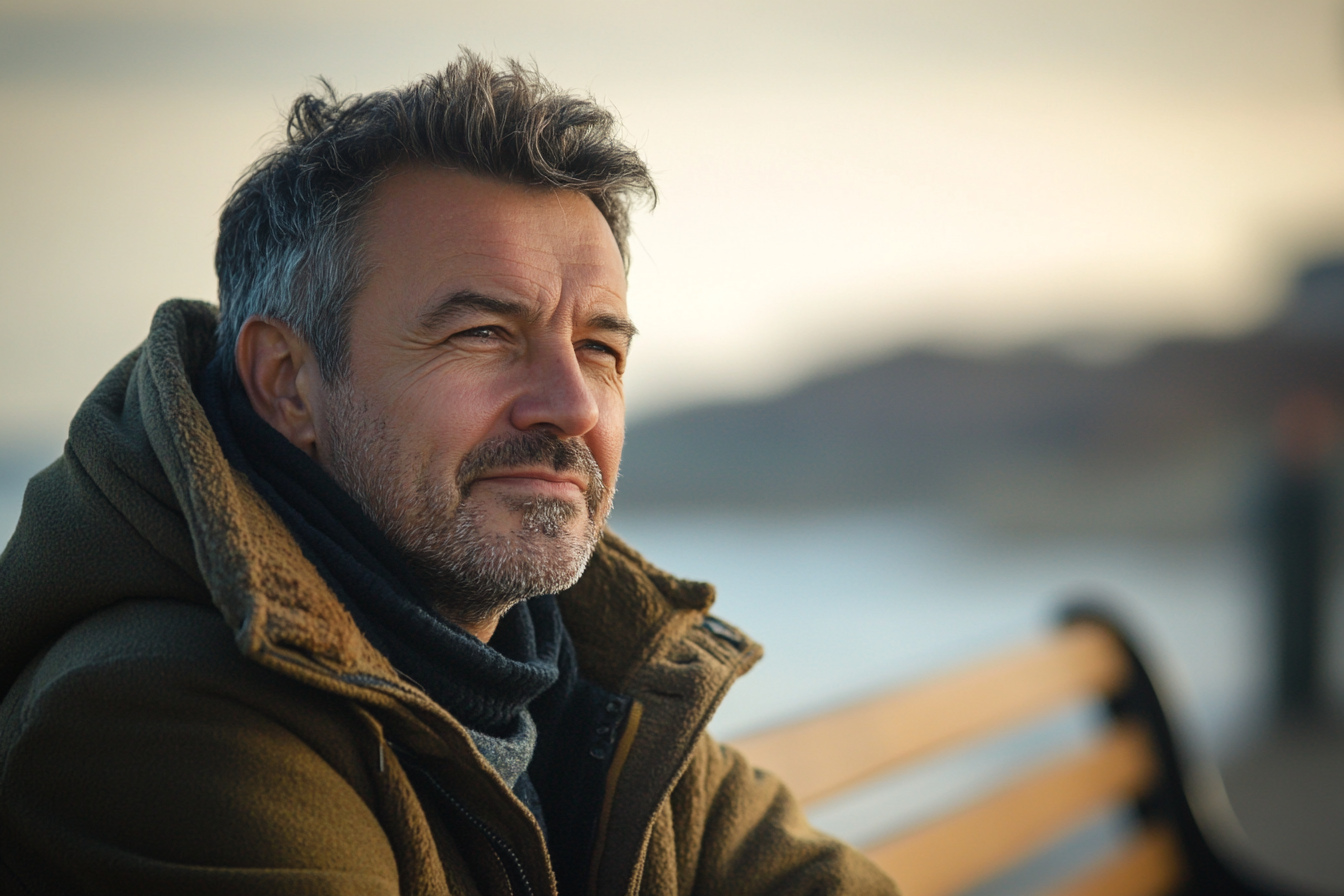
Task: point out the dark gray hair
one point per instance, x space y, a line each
290 245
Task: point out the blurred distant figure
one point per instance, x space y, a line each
1306 431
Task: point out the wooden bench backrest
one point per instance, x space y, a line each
842 749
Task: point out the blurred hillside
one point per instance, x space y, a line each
1173 438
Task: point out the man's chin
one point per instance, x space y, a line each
535 536
531 520
499 563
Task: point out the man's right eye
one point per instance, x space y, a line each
485 332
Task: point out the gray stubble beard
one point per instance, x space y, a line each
471 576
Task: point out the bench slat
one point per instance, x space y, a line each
1149 865
975 844
830 752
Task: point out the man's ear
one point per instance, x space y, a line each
280 375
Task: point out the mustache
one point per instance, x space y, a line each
529 449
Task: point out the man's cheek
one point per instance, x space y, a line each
611 468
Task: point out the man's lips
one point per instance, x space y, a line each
545 480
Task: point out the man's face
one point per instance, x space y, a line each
482 420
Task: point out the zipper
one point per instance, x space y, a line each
514 872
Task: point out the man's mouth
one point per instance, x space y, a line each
539 462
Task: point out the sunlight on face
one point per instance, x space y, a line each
482 421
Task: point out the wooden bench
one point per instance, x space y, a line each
1132 763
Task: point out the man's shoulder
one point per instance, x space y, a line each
132 643
140 630
145 657
144 731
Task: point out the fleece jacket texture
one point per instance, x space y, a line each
486 687
190 709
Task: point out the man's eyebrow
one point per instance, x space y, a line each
451 306
614 323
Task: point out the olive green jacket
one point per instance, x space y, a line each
189 709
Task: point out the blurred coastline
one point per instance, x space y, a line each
1171 438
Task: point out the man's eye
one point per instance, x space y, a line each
601 347
486 332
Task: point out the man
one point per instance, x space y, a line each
319 598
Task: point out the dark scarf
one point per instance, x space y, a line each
485 686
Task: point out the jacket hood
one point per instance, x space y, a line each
143 504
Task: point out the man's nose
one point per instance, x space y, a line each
557 396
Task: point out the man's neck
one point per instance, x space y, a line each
481 631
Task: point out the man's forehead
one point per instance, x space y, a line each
450 221
449 199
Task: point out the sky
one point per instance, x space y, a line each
837 180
